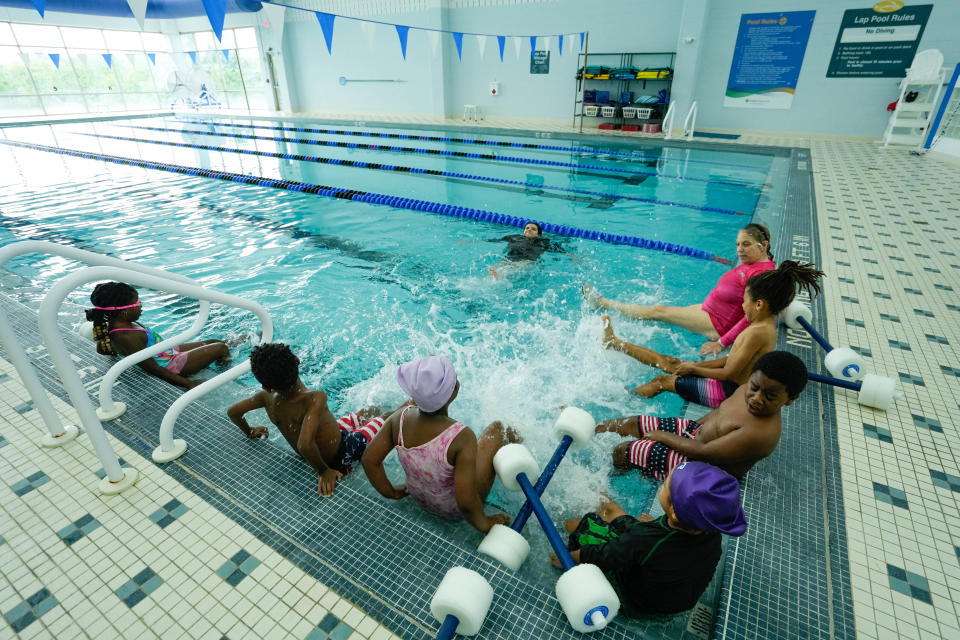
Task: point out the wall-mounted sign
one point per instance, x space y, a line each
767 59
540 62
878 42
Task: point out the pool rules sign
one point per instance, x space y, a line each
878 42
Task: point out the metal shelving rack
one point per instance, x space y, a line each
625 59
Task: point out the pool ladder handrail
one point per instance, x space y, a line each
169 448
667 125
690 121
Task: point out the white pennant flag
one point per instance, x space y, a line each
139 10
369 31
26 59
518 44
547 42
482 45
434 37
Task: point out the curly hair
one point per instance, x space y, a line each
785 368
108 294
779 286
274 366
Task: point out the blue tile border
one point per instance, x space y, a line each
137 588
78 529
30 610
31 482
168 513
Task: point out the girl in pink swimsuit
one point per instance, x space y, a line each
449 471
720 317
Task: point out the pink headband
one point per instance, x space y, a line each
126 306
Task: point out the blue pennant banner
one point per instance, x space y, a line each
326 25
193 56
39 5
533 45
153 58
560 43
458 40
402 32
108 58
226 54
216 10
581 40
501 40
55 57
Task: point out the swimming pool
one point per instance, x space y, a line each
357 288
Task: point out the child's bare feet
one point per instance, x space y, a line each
493 272
591 295
610 339
650 389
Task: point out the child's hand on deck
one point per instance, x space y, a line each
711 348
258 432
194 383
498 518
327 482
399 491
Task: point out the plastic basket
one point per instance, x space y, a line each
591 110
644 112
629 112
608 112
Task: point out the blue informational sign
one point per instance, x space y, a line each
767 59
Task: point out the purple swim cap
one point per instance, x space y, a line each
707 498
429 381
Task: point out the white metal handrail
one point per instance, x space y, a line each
690 121
169 448
668 121
108 408
116 479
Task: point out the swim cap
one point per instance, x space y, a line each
706 498
429 381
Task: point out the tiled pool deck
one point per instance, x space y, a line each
159 560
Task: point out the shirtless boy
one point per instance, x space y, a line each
329 445
745 428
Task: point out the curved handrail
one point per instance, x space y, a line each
110 377
667 125
691 120
48 329
14 349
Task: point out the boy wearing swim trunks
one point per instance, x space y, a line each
331 446
745 428
662 565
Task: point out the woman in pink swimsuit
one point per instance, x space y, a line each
449 471
720 316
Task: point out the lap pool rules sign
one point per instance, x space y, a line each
767 59
878 42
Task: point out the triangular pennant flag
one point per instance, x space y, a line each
533 45
518 45
434 37
458 40
581 40
226 54
560 43
482 45
39 6
55 57
402 34
216 10
326 25
547 42
193 56
108 58
501 40
153 58
26 59
139 10
368 29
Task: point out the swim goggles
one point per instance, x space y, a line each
137 304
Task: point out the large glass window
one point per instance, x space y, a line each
50 69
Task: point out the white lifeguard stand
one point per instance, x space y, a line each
909 120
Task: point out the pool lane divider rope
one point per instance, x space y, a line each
414 170
426 206
443 152
489 143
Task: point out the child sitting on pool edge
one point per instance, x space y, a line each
663 565
116 331
449 471
328 445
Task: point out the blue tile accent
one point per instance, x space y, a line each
78 529
328 623
341 631
845 280
936 339
911 584
138 587
889 317
875 276
854 323
23 408
942 287
168 513
896 497
3 441
4 377
950 370
915 292
25 613
849 299
882 296
909 378
953 307
101 472
921 312
903 346
945 480
928 423
31 482
881 434
238 567
866 353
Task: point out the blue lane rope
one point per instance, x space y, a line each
629 155
443 152
414 170
438 208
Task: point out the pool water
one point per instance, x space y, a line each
357 288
